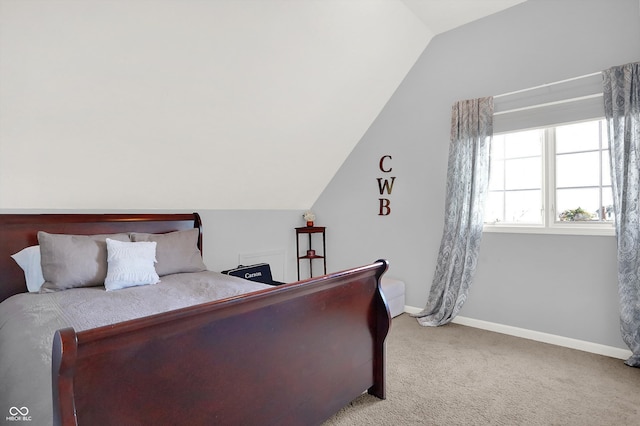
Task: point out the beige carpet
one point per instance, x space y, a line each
457 375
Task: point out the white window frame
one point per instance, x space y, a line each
549 225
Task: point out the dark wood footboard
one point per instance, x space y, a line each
294 354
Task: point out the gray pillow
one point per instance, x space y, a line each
176 252
70 261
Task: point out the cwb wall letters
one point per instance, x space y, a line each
385 185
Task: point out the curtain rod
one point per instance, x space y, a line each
547 104
547 85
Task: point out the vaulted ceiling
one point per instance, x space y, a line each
439 16
229 104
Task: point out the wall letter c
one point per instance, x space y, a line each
382 163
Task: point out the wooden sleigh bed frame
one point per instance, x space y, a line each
293 354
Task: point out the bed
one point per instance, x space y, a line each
258 354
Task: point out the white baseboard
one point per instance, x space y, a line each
538 336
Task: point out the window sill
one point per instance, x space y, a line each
596 230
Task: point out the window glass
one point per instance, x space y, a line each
578 137
523 207
582 172
575 170
578 204
494 209
523 173
496 175
515 180
555 177
606 212
523 144
497 147
606 168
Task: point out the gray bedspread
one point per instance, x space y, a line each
28 322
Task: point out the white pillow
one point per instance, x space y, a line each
130 264
29 260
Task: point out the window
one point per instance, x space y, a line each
552 180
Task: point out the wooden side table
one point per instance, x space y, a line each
311 253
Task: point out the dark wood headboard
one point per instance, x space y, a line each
18 231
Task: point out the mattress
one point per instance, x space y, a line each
28 322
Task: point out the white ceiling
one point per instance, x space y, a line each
443 15
230 104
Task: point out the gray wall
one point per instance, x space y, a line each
563 285
230 233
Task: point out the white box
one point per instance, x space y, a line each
393 290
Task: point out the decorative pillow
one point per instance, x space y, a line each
29 260
130 264
176 251
70 261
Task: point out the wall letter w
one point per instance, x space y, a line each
386 186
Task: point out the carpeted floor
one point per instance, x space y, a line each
457 375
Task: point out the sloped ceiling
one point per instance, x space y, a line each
194 104
440 16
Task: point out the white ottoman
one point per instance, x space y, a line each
393 291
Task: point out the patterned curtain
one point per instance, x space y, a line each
621 88
467 183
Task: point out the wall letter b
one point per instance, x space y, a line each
384 207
